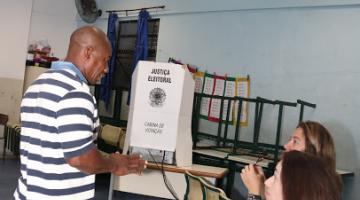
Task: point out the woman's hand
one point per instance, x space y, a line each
253 178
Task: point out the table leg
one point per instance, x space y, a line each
111 187
5 141
230 178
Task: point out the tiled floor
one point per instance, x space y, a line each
9 171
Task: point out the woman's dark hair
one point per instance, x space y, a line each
305 176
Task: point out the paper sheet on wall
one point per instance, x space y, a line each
242 90
207 89
215 103
210 108
230 91
199 80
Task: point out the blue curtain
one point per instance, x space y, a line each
106 80
141 48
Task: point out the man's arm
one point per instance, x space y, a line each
75 134
92 162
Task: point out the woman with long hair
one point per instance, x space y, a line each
310 137
314 138
302 176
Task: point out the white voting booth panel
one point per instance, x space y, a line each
160 110
159 119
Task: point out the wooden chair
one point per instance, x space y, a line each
111 138
195 189
3 121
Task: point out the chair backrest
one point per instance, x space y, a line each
113 135
194 187
3 119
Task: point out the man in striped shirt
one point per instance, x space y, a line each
59 122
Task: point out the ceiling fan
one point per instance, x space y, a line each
87 10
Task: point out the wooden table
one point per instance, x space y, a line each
151 183
247 159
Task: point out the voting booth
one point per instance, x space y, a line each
160 113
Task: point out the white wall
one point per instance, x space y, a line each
24 22
290 49
307 53
15 22
53 21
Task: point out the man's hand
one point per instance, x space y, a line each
128 164
253 178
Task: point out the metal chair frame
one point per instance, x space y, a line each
3 121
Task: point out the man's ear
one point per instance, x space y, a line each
88 51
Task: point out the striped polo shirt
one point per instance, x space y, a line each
59 121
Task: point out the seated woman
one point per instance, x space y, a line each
302 176
310 137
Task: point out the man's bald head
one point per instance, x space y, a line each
88 36
88 47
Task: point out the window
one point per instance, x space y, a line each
127 33
117 112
